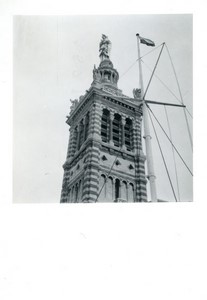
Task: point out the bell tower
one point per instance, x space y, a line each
105 161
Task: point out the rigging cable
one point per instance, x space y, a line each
167 87
111 170
119 149
128 69
173 152
168 174
189 133
153 71
108 175
139 59
170 140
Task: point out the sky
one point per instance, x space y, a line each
53 59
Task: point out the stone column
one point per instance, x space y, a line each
84 128
113 190
74 141
80 191
91 174
76 193
95 122
127 191
140 191
120 189
123 121
111 128
132 137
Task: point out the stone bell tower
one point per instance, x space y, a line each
105 162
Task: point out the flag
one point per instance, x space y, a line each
146 42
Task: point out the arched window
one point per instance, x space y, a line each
105 126
107 75
109 189
131 192
117 129
117 189
124 191
128 134
102 188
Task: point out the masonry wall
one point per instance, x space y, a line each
88 172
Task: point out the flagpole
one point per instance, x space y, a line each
147 136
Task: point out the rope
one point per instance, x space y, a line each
189 133
168 174
108 175
167 88
128 68
150 51
138 60
153 71
176 173
111 170
170 140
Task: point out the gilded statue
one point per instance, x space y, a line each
104 48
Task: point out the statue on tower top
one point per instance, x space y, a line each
104 47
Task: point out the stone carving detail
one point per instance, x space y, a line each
115 92
74 103
103 157
104 47
137 93
96 74
117 162
81 98
131 167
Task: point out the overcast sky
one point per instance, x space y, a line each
53 63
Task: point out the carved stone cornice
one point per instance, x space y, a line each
94 94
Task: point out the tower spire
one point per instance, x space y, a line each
105 75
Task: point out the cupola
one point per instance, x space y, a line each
105 74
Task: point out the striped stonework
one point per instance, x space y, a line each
141 193
70 144
96 115
105 161
64 192
74 141
91 175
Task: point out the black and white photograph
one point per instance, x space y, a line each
103 109
103 152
